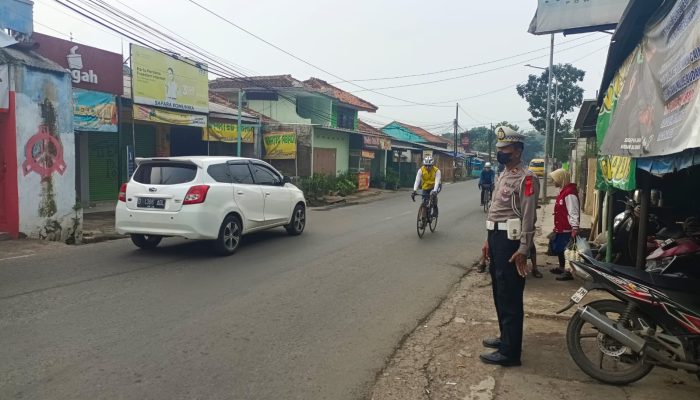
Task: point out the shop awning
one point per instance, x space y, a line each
587 119
670 164
396 146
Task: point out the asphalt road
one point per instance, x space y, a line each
308 317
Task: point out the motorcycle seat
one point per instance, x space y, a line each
671 232
684 285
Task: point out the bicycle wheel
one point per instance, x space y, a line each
487 201
421 220
433 223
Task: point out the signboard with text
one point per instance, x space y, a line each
150 114
651 107
159 79
362 181
223 131
376 143
280 145
90 68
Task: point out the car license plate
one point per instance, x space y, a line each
579 295
148 202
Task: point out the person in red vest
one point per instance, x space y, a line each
567 216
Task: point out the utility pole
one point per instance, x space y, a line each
550 73
554 133
454 160
491 141
239 128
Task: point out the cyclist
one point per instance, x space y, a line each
428 179
486 180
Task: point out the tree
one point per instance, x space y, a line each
570 96
480 137
534 146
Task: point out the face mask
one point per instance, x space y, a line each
504 158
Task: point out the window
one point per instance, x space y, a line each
241 174
220 173
165 173
346 118
265 176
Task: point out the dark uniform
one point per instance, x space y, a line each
514 196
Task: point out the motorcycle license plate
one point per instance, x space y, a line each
579 295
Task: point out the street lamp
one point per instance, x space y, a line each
547 121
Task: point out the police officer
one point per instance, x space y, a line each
511 227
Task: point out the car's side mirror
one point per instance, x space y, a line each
286 180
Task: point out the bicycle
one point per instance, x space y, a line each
426 217
486 199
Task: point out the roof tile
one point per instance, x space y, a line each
341 95
424 134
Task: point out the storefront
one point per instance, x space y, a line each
647 125
96 76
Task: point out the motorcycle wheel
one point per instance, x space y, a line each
613 363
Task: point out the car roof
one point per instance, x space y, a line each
198 160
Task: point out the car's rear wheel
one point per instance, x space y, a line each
296 227
146 241
229 238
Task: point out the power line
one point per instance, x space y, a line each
519 63
489 92
296 57
442 71
183 38
467 114
149 42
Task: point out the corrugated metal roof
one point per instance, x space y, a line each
219 109
29 59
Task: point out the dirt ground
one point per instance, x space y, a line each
440 359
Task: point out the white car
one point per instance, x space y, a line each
207 198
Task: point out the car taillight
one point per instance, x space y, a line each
122 193
196 194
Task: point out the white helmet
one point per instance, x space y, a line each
428 161
487 165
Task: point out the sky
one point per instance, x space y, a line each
370 39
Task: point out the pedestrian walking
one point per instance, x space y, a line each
567 216
511 228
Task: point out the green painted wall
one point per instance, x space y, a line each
282 110
334 117
318 109
327 139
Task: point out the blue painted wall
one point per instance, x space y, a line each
401 133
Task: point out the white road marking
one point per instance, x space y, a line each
396 216
16 257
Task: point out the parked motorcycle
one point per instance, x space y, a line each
625 226
655 321
676 257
